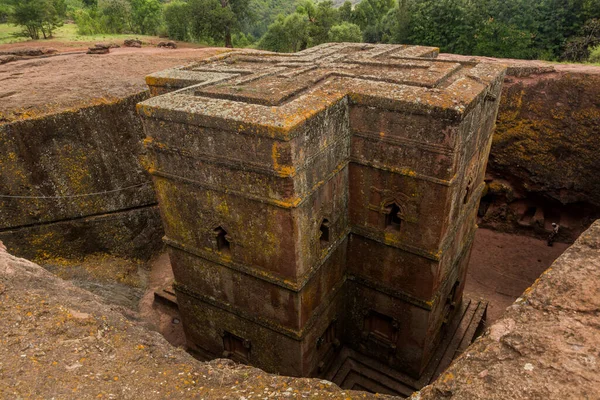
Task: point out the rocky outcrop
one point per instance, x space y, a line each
168 45
71 180
60 170
545 346
132 43
99 49
544 162
59 341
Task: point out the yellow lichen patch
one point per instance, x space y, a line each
447 377
97 267
282 170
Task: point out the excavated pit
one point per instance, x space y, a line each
542 170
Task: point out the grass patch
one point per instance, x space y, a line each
6 34
65 34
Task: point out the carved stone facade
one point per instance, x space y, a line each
321 199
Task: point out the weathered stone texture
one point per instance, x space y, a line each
65 167
544 157
59 341
131 233
68 128
545 346
341 183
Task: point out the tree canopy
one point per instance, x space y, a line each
527 29
37 17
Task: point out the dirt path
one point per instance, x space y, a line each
503 265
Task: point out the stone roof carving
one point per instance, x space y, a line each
272 92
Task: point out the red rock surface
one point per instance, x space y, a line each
34 87
546 344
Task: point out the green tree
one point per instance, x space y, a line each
594 55
35 16
578 48
346 11
145 16
286 34
218 19
263 13
4 11
371 12
395 25
88 22
242 40
497 39
178 19
345 32
112 16
321 17
448 24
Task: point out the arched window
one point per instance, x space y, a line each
222 239
324 229
468 190
393 217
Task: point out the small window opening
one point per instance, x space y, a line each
393 219
467 192
223 244
324 232
236 348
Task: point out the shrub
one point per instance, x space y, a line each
241 40
114 16
178 19
594 55
345 32
36 16
87 22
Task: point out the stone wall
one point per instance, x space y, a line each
71 183
544 162
545 346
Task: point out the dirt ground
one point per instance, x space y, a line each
38 86
503 265
162 317
61 342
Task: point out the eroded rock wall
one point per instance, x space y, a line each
545 346
544 161
71 183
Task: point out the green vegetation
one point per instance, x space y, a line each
565 30
35 17
542 29
345 32
595 55
66 34
143 17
